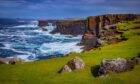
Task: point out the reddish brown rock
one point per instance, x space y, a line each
97 23
97 26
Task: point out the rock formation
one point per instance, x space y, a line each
75 64
116 65
102 27
94 27
70 27
42 23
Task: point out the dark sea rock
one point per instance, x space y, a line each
42 23
70 27
75 64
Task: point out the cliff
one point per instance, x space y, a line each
70 27
96 26
97 23
42 23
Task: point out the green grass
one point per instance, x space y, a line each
128 25
45 71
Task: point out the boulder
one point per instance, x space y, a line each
65 68
75 64
115 65
4 60
10 60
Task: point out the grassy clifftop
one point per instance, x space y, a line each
45 71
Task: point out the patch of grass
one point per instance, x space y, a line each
128 25
45 71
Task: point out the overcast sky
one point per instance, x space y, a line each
58 9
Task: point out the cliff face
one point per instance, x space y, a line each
70 27
42 23
96 25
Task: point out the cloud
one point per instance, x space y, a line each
61 8
11 3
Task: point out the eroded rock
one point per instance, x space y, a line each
115 65
70 27
103 27
75 64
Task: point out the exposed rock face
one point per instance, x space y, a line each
10 60
89 40
70 27
42 23
98 26
75 64
116 65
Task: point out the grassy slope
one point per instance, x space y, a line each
44 71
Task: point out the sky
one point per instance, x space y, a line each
60 9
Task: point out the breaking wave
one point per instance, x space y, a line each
29 42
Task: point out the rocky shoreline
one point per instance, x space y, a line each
95 29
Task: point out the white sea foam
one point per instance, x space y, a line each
21 21
57 46
32 24
63 48
57 35
26 25
24 57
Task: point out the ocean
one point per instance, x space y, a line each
24 39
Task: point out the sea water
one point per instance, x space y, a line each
24 39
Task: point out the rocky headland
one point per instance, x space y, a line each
102 27
95 29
